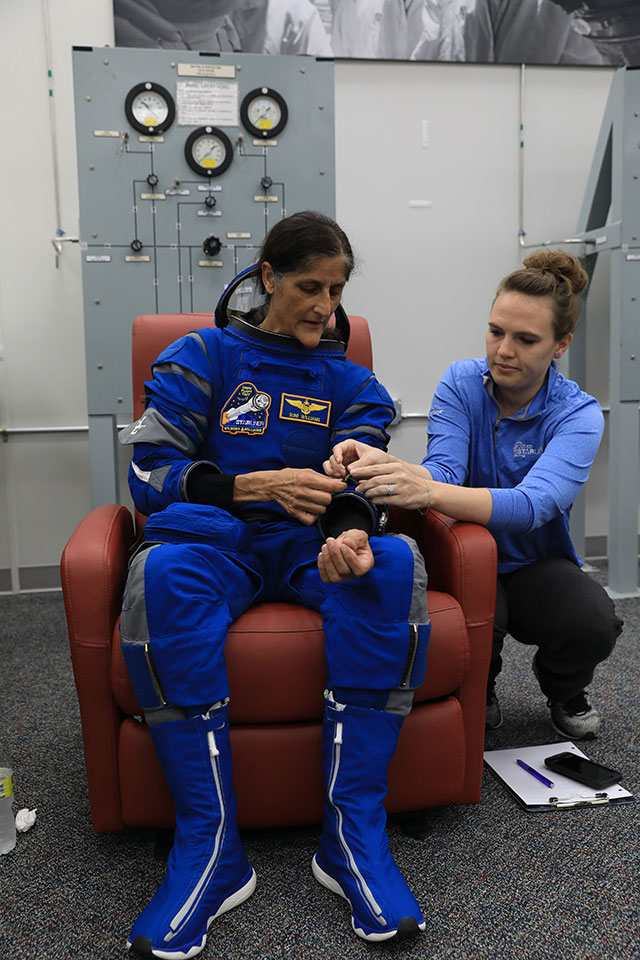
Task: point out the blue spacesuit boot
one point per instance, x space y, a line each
208 871
353 858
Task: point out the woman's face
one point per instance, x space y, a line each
302 303
521 344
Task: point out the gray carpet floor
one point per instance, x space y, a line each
494 881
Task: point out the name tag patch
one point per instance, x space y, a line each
305 409
246 411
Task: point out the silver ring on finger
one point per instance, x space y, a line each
389 490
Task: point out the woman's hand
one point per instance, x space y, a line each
392 482
412 487
305 494
346 557
352 451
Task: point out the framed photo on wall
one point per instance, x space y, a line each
568 32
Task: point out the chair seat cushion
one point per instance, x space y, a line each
276 666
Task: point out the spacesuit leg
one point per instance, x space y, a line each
208 872
353 857
377 631
174 621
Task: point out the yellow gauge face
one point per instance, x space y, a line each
150 108
209 151
264 113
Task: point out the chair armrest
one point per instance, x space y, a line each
461 558
93 571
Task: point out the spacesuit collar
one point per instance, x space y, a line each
239 323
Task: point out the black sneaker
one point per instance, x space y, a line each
575 718
493 716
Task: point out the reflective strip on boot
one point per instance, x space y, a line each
190 905
363 887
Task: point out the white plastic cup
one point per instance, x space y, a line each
7 819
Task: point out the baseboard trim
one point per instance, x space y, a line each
32 578
596 548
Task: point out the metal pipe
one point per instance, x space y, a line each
58 241
52 123
521 230
425 416
6 432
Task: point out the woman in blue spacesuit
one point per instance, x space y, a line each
510 444
227 464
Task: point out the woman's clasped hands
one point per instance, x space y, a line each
381 477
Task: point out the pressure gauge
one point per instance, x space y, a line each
150 108
208 151
264 113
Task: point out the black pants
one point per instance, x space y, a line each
553 605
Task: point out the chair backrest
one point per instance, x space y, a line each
153 332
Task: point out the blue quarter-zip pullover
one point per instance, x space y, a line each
534 463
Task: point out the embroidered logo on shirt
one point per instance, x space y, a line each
246 411
521 449
293 407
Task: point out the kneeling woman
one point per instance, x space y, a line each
510 445
227 463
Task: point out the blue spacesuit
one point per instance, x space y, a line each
230 401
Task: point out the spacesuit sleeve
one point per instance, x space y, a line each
366 413
174 425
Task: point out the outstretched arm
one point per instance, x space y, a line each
411 486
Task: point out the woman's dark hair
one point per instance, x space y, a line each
556 275
297 241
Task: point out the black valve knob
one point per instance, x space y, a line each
136 245
266 182
212 246
209 200
153 180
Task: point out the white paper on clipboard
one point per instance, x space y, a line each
533 795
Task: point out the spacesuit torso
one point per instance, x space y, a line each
247 399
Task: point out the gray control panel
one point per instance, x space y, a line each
185 160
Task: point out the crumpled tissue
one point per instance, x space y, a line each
25 819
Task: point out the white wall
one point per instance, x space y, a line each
427 275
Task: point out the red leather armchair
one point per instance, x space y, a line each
275 662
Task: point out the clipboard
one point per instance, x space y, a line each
533 795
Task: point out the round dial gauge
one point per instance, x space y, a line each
208 151
264 113
150 108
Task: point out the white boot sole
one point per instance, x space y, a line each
333 885
233 901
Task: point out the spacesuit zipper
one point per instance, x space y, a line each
352 866
185 912
411 656
153 673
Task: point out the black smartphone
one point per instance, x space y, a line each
584 771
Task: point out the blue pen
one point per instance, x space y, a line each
534 773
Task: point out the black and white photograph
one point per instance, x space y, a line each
591 33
